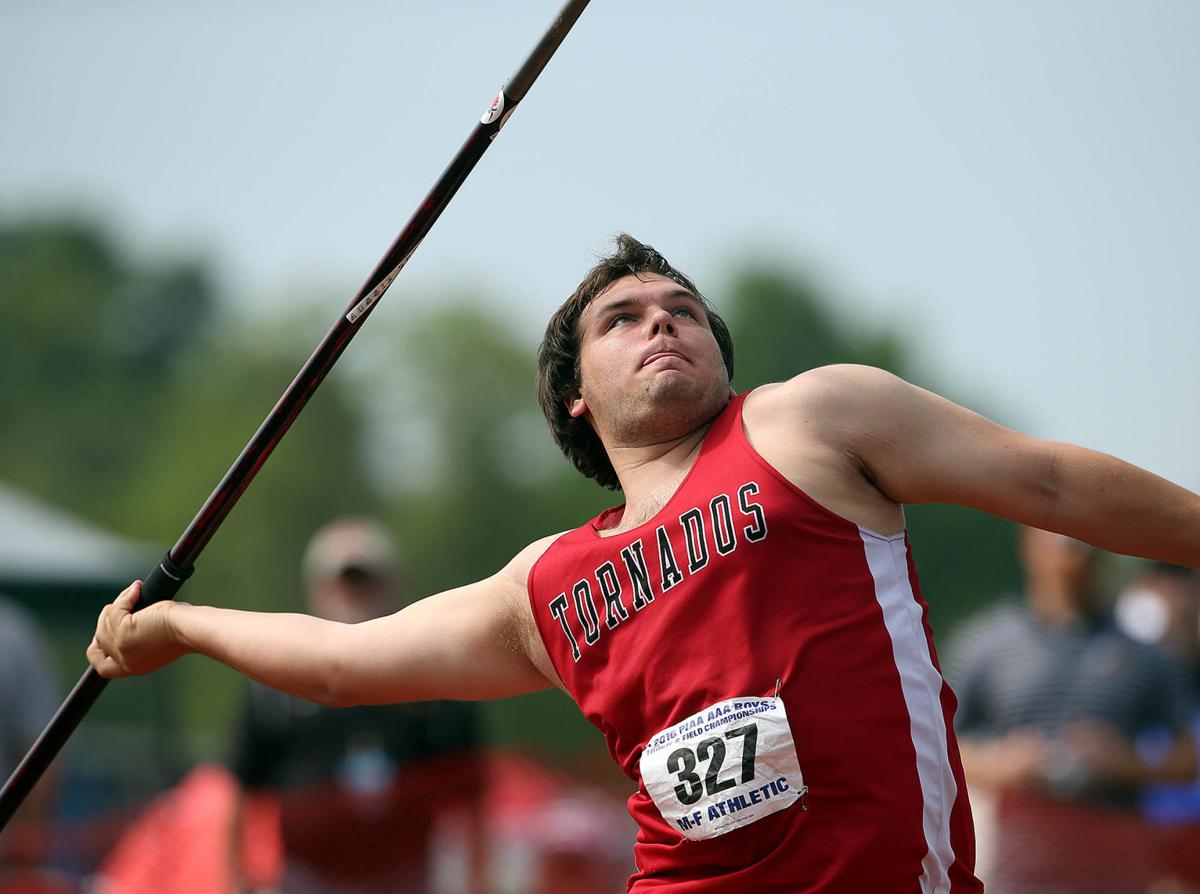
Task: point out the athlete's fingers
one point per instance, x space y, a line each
103 665
112 614
109 622
105 627
129 597
109 669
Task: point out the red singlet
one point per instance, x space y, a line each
765 672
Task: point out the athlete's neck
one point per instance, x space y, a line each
651 473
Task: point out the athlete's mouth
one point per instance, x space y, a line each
659 354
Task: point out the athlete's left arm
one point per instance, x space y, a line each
917 447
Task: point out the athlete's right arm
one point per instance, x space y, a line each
474 642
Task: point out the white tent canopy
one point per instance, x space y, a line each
42 544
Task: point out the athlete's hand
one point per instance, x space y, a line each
126 643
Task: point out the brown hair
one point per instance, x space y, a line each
558 355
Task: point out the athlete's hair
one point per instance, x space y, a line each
558 356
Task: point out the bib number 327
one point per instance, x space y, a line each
723 767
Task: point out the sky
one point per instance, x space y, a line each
1014 187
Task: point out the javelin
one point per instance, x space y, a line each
178 563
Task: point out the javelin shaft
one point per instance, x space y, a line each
176 566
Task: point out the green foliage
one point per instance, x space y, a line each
782 324
89 341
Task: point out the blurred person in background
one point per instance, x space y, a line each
1052 699
1160 605
360 790
28 698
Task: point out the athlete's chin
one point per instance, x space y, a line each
668 382
671 385
686 398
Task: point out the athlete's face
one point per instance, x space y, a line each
650 367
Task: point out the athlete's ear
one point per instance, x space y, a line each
576 405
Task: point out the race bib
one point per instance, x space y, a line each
724 767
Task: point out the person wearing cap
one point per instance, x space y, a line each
359 789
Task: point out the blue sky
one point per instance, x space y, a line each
1014 186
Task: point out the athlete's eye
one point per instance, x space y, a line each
686 311
619 318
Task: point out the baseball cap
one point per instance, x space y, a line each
350 544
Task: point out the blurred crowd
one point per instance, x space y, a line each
1077 719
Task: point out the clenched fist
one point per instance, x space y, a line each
126 643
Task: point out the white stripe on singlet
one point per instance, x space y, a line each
887 557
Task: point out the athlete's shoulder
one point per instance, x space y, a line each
834 380
518 568
824 395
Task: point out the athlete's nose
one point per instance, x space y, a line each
661 321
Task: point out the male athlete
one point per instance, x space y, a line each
747 630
